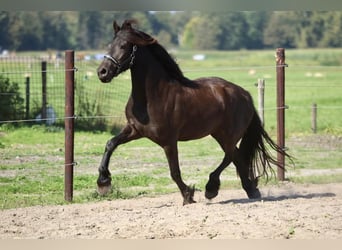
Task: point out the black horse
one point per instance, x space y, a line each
167 107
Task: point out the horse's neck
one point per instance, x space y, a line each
143 79
146 75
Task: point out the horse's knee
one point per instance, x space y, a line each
109 146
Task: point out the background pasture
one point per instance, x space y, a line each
32 157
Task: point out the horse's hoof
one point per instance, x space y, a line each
187 202
188 196
212 188
104 190
254 194
210 195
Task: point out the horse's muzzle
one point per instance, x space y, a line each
102 74
105 74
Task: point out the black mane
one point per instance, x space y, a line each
169 64
140 38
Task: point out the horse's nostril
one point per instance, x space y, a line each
103 72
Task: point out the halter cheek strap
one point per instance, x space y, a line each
111 59
129 59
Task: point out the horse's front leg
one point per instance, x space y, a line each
104 180
187 192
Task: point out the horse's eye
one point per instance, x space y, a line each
124 46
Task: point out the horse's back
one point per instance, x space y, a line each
218 82
230 93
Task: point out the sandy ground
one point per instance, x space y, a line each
287 211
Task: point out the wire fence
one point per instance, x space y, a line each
101 106
45 90
98 105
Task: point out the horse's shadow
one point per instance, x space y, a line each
271 198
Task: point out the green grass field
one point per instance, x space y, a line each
32 157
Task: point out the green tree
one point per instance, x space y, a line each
30 32
281 31
234 29
4 28
256 22
169 24
200 33
310 28
332 30
23 30
164 38
95 29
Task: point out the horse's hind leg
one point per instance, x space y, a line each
213 185
104 179
248 180
187 192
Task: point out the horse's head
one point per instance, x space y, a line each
120 56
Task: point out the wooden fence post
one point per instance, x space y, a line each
261 94
69 125
27 105
44 92
314 118
280 69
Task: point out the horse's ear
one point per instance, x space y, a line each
129 24
116 27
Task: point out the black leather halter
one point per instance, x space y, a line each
129 60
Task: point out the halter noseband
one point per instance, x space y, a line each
129 59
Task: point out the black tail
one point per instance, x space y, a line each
258 156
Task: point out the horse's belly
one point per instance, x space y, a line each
197 130
192 137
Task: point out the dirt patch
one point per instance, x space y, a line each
286 211
326 142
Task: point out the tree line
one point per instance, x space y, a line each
83 30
